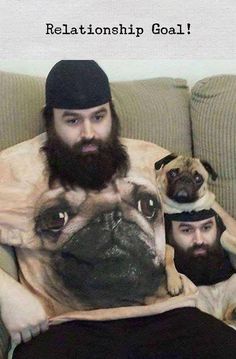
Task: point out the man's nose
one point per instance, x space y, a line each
198 237
87 130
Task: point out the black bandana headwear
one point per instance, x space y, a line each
77 84
195 216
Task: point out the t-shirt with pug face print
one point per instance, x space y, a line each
87 254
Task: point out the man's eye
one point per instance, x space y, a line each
72 121
207 227
186 230
98 118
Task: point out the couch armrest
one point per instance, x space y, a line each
8 263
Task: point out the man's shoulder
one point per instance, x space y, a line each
142 148
24 160
143 156
28 147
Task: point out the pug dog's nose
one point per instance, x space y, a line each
111 219
182 193
181 196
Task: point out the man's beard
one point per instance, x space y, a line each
208 269
71 167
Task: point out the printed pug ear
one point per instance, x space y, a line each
209 169
165 160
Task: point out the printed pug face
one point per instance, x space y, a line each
104 249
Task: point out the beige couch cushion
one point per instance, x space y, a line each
21 101
213 114
155 110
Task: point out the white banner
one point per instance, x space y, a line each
118 29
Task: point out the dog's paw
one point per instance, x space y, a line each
174 285
188 286
228 242
230 316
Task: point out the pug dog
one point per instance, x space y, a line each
183 183
88 250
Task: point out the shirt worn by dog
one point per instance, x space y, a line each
94 255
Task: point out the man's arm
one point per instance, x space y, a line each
229 222
228 237
22 313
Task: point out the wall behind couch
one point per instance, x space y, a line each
117 70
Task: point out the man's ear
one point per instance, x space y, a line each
165 160
209 169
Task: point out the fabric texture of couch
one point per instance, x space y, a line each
161 110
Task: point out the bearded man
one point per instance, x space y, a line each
83 146
81 157
195 237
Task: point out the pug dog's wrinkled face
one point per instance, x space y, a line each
105 249
183 179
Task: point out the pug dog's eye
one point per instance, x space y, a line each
147 205
198 178
173 172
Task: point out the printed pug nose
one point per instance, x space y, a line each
111 219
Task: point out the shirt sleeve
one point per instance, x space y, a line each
17 198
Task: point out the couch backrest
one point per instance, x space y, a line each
21 101
213 115
155 110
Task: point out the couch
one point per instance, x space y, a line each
200 122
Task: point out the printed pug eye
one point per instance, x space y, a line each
57 221
147 205
52 220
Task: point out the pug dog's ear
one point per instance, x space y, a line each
165 160
209 169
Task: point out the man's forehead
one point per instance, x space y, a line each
66 111
194 223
